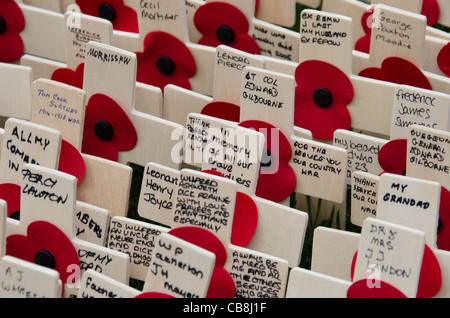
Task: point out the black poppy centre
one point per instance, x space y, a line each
225 34
45 258
3 25
103 130
106 11
15 215
267 158
165 65
323 97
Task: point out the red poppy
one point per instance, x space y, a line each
70 77
392 156
443 60
321 101
399 71
12 22
363 44
222 284
430 9
122 17
221 23
374 289
10 193
245 218
71 161
276 180
107 129
223 110
45 245
165 60
443 234
430 280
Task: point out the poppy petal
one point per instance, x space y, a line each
443 60
392 156
245 220
322 122
430 9
21 247
11 45
204 239
221 285
277 187
71 161
430 275
363 44
443 235
401 71
373 289
70 77
223 110
10 193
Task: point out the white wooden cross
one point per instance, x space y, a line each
74 30
178 269
427 154
385 248
242 165
402 200
199 189
15 97
117 80
435 39
61 107
49 196
160 184
21 279
404 39
226 76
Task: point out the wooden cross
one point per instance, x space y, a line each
165 192
21 279
61 107
435 39
427 154
117 80
15 81
178 269
228 67
243 167
189 277
194 190
385 45
386 246
50 196
308 284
